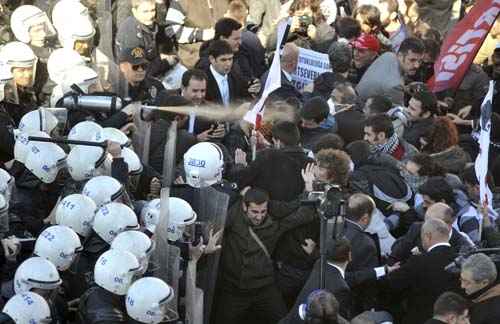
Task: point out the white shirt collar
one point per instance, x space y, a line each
438 244
218 77
342 271
287 75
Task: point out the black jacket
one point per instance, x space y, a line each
311 136
237 87
365 257
147 91
7 126
98 305
417 129
286 91
401 249
278 171
434 321
421 281
244 263
82 270
335 284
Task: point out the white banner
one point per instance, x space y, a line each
311 65
273 80
481 165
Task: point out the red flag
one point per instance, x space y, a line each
462 44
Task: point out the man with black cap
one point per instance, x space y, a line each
133 65
313 113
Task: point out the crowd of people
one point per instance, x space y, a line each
134 190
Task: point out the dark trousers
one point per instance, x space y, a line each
234 305
290 281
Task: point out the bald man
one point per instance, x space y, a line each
410 243
289 61
422 279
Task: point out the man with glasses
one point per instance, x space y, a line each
133 65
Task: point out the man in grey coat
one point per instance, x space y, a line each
386 76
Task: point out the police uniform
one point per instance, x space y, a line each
8 122
132 33
149 88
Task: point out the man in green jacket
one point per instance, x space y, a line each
246 281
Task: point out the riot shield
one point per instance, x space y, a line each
141 138
211 207
166 257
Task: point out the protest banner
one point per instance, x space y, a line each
462 44
311 65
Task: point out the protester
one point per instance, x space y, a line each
135 188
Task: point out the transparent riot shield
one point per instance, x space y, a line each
211 207
141 138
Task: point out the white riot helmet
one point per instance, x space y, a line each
23 146
147 300
28 308
65 11
77 212
81 76
45 161
137 243
79 36
112 219
6 184
38 120
62 60
19 55
84 131
180 215
103 190
85 162
203 165
24 18
114 135
115 271
59 244
150 215
36 272
133 162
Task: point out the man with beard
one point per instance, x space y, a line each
396 68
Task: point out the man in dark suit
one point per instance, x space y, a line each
422 279
289 61
223 86
338 256
450 308
365 252
411 242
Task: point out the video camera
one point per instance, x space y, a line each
456 265
328 198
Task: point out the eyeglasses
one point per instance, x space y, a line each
141 66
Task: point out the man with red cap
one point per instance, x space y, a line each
366 48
